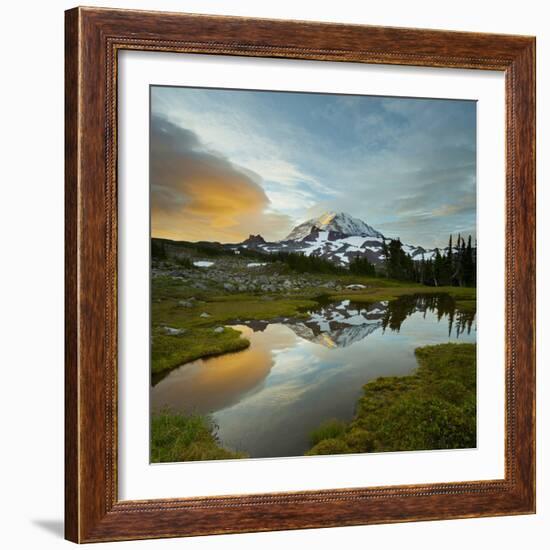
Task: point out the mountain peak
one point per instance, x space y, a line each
339 222
254 239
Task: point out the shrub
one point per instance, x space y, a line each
329 447
360 441
327 430
416 422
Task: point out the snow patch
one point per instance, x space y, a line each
203 264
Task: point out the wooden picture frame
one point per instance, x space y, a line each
93 511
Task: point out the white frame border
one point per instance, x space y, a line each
138 479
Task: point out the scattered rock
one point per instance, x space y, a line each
219 330
205 315
177 274
186 303
171 331
356 287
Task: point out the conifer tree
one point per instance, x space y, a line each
469 268
437 268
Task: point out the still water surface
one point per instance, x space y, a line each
296 374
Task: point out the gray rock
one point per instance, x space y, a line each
205 315
171 331
186 303
219 330
229 287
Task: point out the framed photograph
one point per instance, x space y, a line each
300 275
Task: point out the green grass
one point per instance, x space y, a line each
199 339
434 408
171 351
379 294
181 438
327 430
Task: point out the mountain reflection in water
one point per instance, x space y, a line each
297 373
341 324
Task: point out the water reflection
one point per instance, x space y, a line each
341 324
297 373
442 304
213 384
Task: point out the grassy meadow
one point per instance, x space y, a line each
191 307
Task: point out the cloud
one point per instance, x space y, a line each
250 129
198 194
404 165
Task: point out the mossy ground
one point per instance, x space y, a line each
207 310
170 351
200 321
434 408
181 438
465 296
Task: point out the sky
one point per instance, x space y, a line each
229 163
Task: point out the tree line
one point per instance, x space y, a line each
454 266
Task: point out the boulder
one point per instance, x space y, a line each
171 331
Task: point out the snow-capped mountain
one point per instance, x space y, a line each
338 222
335 236
340 325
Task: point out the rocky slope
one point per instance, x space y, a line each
335 236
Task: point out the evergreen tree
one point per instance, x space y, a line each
399 265
437 268
386 254
158 250
362 266
448 265
453 265
469 267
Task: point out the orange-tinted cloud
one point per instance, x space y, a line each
199 195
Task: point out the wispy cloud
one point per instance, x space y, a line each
405 166
193 188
